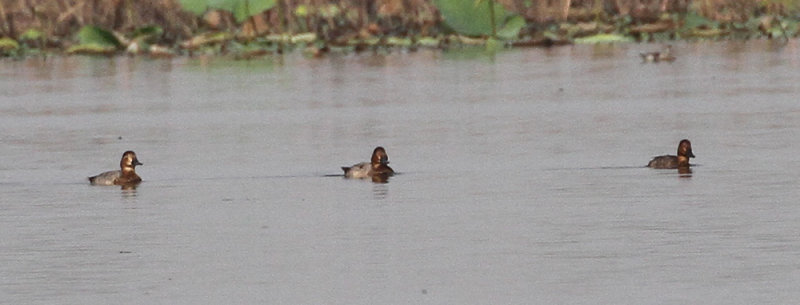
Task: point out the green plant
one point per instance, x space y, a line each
8 46
480 18
241 9
95 40
93 35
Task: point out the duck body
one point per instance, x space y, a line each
667 162
656 57
665 55
672 162
125 176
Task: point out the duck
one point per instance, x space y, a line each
377 167
665 55
672 162
125 176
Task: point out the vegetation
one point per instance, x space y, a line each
248 28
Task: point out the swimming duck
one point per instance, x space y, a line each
665 55
679 161
125 176
377 167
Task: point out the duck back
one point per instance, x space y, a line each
664 162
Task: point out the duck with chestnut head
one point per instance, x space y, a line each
672 162
125 176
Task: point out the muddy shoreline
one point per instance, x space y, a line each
165 28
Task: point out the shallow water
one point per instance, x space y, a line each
521 178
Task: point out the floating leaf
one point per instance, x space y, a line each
96 36
91 49
95 40
428 42
603 38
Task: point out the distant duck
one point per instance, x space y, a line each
671 162
125 176
665 55
377 167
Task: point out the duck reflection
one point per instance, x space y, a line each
129 187
381 178
685 171
128 190
380 191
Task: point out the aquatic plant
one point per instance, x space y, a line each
8 46
603 38
241 9
95 40
216 26
32 38
480 18
144 40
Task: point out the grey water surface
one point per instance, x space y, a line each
521 178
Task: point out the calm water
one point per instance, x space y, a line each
521 178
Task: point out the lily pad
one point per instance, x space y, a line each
604 38
95 36
91 49
95 40
429 42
